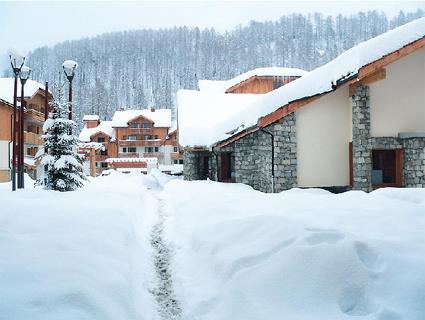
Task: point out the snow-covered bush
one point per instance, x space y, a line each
63 169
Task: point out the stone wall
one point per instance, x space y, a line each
193 164
363 144
253 157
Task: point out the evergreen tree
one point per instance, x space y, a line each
63 166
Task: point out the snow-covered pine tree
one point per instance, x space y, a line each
63 169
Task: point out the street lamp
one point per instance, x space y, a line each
69 67
16 61
24 75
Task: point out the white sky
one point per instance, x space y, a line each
27 25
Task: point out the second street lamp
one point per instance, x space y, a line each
16 61
69 67
24 75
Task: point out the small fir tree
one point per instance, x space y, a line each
63 170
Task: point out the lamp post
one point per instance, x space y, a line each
16 61
69 67
23 76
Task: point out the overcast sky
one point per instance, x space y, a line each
27 25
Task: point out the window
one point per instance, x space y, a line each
147 137
156 149
104 152
146 125
156 136
176 149
132 137
176 161
149 149
103 165
131 149
277 84
124 149
387 167
135 125
181 161
101 139
124 137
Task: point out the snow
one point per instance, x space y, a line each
91 117
233 252
30 161
172 168
91 145
104 127
7 84
302 254
70 64
222 86
323 78
202 114
318 81
151 160
160 117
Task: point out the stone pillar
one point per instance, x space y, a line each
414 162
194 164
285 153
362 159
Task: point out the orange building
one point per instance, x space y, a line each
135 134
33 123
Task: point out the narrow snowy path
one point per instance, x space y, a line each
168 306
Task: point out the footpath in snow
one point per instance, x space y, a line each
151 248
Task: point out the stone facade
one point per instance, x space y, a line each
196 164
253 157
363 144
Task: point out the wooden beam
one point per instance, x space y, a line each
391 57
236 137
379 74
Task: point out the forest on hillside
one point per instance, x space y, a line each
144 68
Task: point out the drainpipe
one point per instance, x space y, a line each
216 163
272 137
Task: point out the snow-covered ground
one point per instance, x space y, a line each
235 253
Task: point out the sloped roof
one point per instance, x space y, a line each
7 84
222 86
104 126
327 77
160 117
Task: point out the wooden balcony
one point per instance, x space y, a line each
176 155
100 157
34 115
32 138
153 155
128 155
140 130
140 143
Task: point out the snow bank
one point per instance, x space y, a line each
77 255
300 254
222 86
160 117
91 117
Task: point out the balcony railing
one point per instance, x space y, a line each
32 114
153 155
141 143
128 155
32 138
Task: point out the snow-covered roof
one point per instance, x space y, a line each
91 117
323 79
202 115
104 126
222 86
152 160
7 84
91 145
160 117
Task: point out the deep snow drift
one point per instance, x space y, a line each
300 254
234 253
